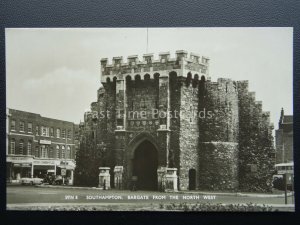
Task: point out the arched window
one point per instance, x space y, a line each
146 77
195 80
68 152
137 77
188 79
128 80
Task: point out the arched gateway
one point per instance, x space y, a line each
145 163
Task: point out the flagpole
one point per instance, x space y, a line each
147 41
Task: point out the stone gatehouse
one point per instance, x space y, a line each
168 113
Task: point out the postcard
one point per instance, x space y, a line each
150 119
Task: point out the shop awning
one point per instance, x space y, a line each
27 165
68 167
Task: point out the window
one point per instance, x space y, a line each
44 151
22 125
68 152
58 133
37 151
69 134
63 154
37 130
12 146
51 132
29 128
57 151
51 152
21 146
45 131
13 125
29 145
63 133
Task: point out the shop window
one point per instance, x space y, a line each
13 125
12 146
22 125
29 128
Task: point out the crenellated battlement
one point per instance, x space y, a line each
182 64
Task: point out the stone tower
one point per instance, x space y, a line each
167 113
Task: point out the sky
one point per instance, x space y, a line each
56 72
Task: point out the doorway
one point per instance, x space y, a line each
145 164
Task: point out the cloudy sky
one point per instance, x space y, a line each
56 72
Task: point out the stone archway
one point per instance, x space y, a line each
145 164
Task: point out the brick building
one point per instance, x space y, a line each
38 145
167 113
284 139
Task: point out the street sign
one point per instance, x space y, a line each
63 172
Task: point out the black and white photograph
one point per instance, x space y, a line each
150 119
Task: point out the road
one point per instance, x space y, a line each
31 194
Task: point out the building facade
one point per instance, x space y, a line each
167 113
284 139
38 145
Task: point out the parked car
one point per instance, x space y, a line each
31 181
58 180
278 183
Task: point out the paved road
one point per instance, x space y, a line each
30 194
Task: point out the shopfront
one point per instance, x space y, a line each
18 167
27 166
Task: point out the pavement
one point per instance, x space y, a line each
238 194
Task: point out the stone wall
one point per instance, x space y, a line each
218 134
189 132
256 151
218 166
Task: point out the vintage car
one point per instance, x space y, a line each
31 181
